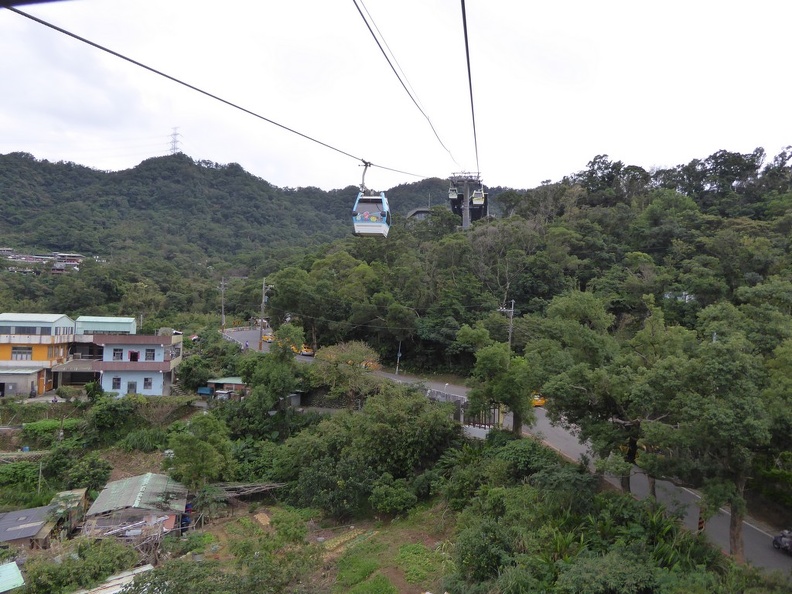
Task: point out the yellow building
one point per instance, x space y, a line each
30 345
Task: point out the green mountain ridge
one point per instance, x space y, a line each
208 208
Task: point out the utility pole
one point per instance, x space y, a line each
222 305
261 319
398 358
511 323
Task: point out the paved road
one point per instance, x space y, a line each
758 539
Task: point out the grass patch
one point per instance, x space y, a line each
357 564
194 542
379 584
418 563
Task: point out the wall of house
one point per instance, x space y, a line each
159 352
139 377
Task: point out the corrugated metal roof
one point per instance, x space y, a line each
33 317
19 370
115 583
146 491
10 577
23 523
226 380
107 319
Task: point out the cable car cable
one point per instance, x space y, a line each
404 86
199 90
470 83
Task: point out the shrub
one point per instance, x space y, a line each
391 496
90 563
144 440
43 434
526 457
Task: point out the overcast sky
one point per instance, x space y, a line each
650 83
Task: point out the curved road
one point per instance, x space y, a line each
757 538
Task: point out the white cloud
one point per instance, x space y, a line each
649 83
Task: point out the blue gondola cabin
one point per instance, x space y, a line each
371 215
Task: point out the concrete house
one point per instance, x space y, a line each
31 345
110 351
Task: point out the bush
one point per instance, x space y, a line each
526 457
90 472
144 440
68 393
390 496
42 434
90 563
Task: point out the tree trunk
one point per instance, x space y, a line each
517 422
625 482
737 509
632 452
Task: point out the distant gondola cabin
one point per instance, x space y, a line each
371 215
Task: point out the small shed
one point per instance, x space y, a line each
28 527
136 506
70 507
10 577
227 383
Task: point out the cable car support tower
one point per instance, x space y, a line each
467 197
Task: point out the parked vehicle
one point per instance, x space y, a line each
223 394
783 542
539 399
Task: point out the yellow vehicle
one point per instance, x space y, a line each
269 338
306 351
539 399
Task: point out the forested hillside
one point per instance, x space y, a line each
170 204
653 309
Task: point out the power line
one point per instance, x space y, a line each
398 76
199 90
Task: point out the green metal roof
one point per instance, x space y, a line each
112 319
146 491
226 380
10 577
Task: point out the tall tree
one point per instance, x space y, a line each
717 425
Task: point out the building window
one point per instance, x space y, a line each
46 331
134 355
116 383
5 329
149 354
147 383
25 330
19 353
118 354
